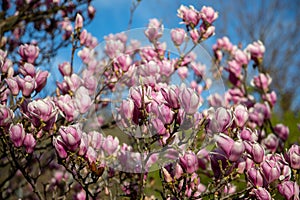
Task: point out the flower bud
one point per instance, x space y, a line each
282 131
189 100
17 134
6 116
241 57
262 194
224 118
289 189
293 156
240 115
257 152
248 135
255 177
194 33
13 86
271 142
233 149
171 96
83 100
166 115
65 68
167 175
78 21
41 80
91 11
189 162
178 35
29 143
60 147
183 72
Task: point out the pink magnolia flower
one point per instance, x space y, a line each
240 115
136 95
96 139
271 142
195 35
114 48
91 154
293 156
233 149
13 86
27 69
257 50
208 14
42 110
241 57
65 68
183 72
262 81
27 85
289 189
271 170
110 144
83 100
170 94
235 68
189 100
262 194
256 151
67 105
123 61
282 131
271 98
207 32
154 30
190 16
60 147
259 113
255 177
166 115
158 127
6 67
17 134
73 82
6 116
126 109
178 36
29 143
189 162
71 136
248 135
41 80
29 52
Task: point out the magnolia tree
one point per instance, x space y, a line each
180 134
